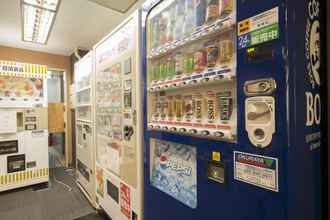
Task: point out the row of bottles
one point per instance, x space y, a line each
192 59
183 17
210 107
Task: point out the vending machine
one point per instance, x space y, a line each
232 109
85 151
23 125
118 118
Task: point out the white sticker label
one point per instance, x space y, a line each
257 170
259 21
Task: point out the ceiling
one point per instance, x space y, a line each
79 23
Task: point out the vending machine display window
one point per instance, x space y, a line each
115 103
83 88
173 170
191 69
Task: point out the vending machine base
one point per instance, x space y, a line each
29 165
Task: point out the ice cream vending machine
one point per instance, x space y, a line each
232 109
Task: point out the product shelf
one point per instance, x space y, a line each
211 76
210 131
206 31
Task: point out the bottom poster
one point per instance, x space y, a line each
174 170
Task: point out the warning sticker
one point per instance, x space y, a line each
257 170
259 21
258 29
125 200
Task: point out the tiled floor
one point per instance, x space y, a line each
57 202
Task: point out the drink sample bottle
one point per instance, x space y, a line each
226 51
211 106
178 107
198 107
212 10
178 63
155 32
225 101
188 62
163 22
189 26
200 60
170 66
200 12
226 7
179 19
157 109
171 108
188 107
212 53
171 23
164 107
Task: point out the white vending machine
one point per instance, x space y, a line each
118 118
85 158
23 125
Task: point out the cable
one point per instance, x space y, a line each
67 186
57 181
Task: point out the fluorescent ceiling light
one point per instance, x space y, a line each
38 18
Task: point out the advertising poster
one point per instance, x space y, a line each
21 87
125 200
174 170
99 181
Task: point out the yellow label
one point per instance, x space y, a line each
244 27
216 156
1 180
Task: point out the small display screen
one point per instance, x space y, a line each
15 163
216 171
83 169
8 147
113 191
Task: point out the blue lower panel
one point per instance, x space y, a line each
233 201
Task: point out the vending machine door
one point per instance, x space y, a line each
85 157
216 110
119 129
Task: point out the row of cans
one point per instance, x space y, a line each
212 106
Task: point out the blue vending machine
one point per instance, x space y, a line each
232 110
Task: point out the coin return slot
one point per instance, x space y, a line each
216 171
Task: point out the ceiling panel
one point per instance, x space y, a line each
121 6
79 23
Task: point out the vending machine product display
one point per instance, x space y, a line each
232 109
118 116
85 126
24 125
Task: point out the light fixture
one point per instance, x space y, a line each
38 17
